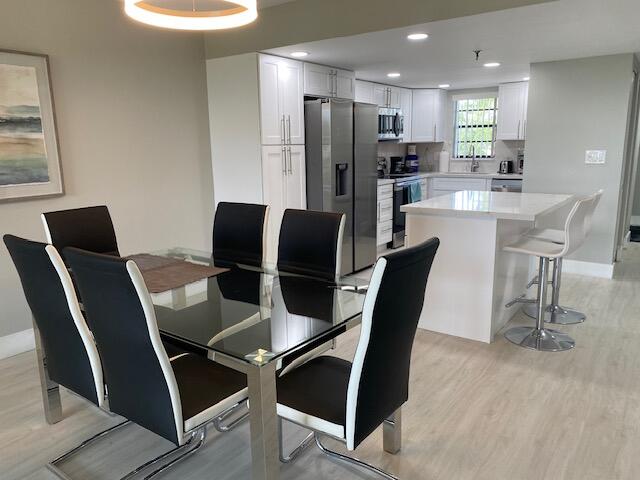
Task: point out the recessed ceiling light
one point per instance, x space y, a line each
299 54
526 79
444 85
393 75
418 36
492 64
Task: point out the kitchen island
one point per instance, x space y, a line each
472 278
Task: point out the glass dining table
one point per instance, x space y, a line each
256 321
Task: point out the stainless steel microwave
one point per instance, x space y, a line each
390 124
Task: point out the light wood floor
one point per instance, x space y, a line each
481 412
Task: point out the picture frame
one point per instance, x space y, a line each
30 164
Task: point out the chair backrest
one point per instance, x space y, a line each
595 200
239 234
379 380
576 225
311 243
142 386
88 228
71 354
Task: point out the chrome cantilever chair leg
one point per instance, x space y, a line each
296 451
353 460
217 422
201 432
53 465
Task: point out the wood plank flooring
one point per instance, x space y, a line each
476 411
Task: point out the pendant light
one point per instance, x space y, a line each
241 13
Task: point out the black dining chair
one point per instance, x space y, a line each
176 399
240 234
88 228
311 243
348 401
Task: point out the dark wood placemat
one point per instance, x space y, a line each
162 274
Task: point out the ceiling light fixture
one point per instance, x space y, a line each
393 75
444 85
241 12
418 36
492 64
526 79
299 54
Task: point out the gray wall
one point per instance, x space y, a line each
133 127
576 105
309 20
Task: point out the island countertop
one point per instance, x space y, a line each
499 205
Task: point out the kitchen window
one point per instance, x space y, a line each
475 127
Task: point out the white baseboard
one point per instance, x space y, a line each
590 269
635 220
16 343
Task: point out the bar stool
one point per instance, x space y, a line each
538 337
555 313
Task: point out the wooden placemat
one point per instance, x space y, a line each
162 274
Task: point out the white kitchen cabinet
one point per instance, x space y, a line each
281 101
386 96
385 214
512 111
428 115
364 92
406 105
283 186
345 84
438 186
323 81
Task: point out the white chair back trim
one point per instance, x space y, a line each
158 347
79 321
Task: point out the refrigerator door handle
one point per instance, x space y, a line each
282 133
289 128
284 160
290 162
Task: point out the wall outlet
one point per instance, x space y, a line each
595 157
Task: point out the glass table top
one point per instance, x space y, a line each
256 315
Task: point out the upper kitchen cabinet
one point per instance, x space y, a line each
281 101
406 105
364 92
512 111
429 108
323 81
386 96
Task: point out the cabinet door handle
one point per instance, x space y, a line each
289 127
284 160
282 134
434 131
524 131
290 162
518 136
335 83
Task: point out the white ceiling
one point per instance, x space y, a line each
517 37
271 3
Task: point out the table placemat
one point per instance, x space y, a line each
162 274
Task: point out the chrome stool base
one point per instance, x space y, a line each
543 340
556 314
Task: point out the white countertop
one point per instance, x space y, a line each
483 176
500 205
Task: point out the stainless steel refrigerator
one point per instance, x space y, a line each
341 159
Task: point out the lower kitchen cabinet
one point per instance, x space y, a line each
385 214
283 186
439 186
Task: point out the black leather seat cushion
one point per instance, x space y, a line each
318 388
203 383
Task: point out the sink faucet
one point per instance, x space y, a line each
475 165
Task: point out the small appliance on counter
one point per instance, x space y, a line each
520 160
383 168
397 165
506 166
411 161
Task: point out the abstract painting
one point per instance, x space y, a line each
29 158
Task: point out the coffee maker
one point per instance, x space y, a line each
506 166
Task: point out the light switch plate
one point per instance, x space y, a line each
595 157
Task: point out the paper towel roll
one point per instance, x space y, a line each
444 161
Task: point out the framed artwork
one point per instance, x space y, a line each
29 155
